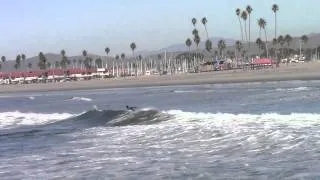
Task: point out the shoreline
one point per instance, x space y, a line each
310 71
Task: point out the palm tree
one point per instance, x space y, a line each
259 43
117 59
249 10
16 66
3 59
221 47
288 40
42 61
23 58
86 59
195 32
29 65
64 59
133 47
304 39
204 22
188 44
239 46
275 43
275 9
208 45
107 51
244 16
18 61
262 25
281 42
197 40
194 21
238 12
98 63
122 56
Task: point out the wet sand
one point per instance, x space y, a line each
306 71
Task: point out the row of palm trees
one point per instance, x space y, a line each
65 62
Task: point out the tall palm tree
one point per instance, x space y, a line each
221 47
3 59
304 39
18 61
208 45
133 46
249 10
259 43
288 40
195 32
107 51
194 21
86 59
64 59
281 42
197 40
16 66
244 16
188 44
204 22
239 46
275 44
42 61
275 9
238 12
23 58
122 56
262 25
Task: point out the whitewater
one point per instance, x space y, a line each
267 130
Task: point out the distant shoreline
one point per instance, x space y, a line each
304 72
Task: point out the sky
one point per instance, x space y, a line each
31 26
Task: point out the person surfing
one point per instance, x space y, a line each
131 108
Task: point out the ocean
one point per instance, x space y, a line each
266 130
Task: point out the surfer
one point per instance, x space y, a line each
131 108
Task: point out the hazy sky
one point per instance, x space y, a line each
30 26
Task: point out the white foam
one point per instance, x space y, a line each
31 98
13 119
81 99
182 91
297 89
226 119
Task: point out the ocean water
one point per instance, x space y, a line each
265 130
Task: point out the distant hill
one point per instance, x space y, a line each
182 46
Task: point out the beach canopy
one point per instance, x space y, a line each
49 72
263 61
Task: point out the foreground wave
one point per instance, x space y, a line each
10 120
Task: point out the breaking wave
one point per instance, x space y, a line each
81 99
298 89
21 123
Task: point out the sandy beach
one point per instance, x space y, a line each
306 71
